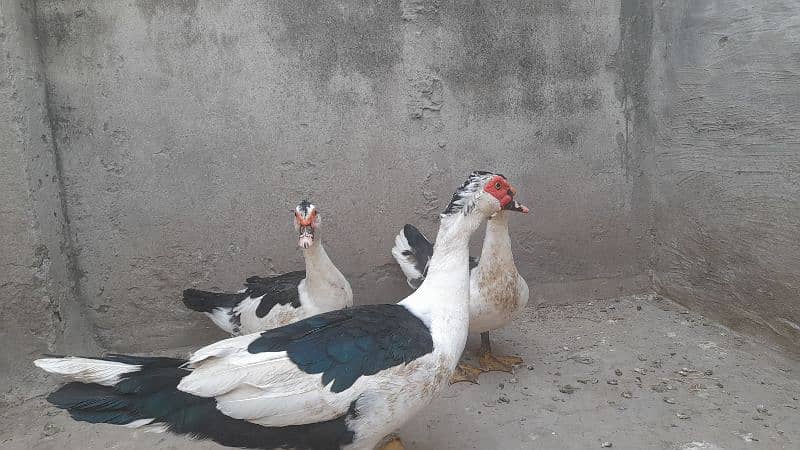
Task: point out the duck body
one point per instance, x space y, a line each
341 379
275 301
265 303
497 290
380 365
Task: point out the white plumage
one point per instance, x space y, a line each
497 291
271 302
86 370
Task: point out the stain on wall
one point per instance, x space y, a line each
330 37
496 54
632 62
727 159
40 309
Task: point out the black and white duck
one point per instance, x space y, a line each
271 302
497 291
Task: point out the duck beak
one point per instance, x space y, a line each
305 225
513 205
306 237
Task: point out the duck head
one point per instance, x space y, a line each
306 221
488 192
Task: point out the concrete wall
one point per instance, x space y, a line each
187 129
39 310
727 160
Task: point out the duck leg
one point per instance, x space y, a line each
465 372
490 362
391 442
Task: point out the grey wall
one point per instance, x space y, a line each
188 129
727 161
39 311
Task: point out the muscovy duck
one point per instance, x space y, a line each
341 379
271 302
497 291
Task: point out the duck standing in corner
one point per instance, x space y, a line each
341 379
497 291
271 302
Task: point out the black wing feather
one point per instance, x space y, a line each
349 343
422 250
151 393
277 290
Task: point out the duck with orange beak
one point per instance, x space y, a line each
275 301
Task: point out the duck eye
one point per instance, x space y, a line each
498 186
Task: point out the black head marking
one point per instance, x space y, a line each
304 207
474 183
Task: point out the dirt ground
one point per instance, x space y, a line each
630 373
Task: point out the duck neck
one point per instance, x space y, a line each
445 290
497 243
449 264
323 279
442 301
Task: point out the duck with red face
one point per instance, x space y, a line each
497 291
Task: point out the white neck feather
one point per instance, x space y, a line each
442 301
324 283
497 243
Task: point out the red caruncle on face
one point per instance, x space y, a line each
500 189
306 222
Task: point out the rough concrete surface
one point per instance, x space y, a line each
685 383
39 311
727 161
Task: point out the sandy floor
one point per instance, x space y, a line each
636 372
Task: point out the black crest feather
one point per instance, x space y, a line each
304 206
462 196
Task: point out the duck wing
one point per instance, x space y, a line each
413 251
308 371
225 308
